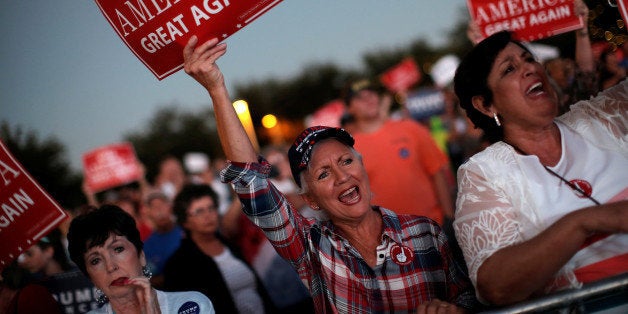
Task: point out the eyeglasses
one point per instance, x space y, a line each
201 210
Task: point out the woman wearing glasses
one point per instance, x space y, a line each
205 262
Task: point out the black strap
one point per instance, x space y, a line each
552 172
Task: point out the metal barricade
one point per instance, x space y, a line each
606 296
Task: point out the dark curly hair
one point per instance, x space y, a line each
94 227
471 80
187 195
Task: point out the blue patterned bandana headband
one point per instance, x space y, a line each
301 150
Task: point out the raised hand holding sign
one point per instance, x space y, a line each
157 31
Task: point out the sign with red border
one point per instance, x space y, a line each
402 76
110 166
157 31
622 6
27 212
529 20
328 115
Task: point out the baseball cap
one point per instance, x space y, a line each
301 150
354 87
196 162
154 194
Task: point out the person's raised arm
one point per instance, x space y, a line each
90 196
474 33
200 63
584 52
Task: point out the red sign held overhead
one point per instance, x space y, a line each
529 20
402 76
27 212
328 115
157 31
622 6
111 166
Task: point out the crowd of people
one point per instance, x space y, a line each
371 217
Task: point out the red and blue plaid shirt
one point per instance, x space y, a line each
338 278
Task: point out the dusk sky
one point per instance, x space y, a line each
66 73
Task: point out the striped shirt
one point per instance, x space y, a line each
414 263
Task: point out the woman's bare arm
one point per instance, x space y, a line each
200 63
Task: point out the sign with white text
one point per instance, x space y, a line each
27 211
111 166
528 19
74 292
402 76
424 103
157 31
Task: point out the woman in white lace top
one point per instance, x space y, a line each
544 207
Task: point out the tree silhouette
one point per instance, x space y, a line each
45 160
173 132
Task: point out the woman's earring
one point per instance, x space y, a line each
101 298
146 272
496 119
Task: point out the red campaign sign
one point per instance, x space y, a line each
329 114
157 31
622 6
27 211
528 19
402 76
111 166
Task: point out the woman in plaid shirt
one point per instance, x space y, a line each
364 259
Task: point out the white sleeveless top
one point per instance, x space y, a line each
241 283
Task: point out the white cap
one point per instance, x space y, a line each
444 69
196 162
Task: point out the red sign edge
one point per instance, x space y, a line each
553 33
623 10
102 11
179 67
53 223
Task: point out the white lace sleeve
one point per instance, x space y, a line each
485 218
603 120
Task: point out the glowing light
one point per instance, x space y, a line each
242 110
240 106
269 121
